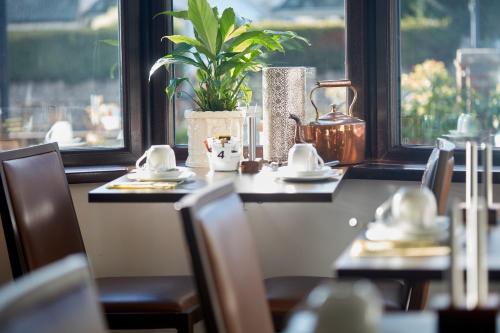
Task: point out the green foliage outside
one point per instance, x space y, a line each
75 56
68 55
429 106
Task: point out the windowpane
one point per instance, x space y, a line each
450 57
320 21
60 74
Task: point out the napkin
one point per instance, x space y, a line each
142 186
366 248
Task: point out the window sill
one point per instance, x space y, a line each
382 170
377 170
94 174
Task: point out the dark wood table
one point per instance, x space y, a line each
261 187
410 268
413 322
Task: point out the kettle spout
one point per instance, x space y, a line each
298 124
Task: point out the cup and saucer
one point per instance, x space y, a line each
62 133
304 164
160 165
468 128
409 216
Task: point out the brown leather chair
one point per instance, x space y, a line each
225 262
41 226
437 177
438 173
58 298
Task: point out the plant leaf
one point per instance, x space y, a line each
187 60
179 39
181 14
288 35
182 48
111 42
250 38
165 61
172 87
227 23
238 31
204 22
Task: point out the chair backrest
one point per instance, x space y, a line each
58 298
36 207
225 262
438 173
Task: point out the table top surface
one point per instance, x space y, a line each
413 322
410 268
261 187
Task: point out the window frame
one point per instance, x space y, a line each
132 96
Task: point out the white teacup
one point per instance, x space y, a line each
304 157
467 124
414 208
159 158
61 132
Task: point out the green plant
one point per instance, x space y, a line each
429 103
224 50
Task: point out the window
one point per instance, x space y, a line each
62 75
322 22
75 71
450 70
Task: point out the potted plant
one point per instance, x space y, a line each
224 49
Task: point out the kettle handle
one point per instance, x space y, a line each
298 124
333 84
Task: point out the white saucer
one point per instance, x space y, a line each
287 173
173 175
75 142
381 231
456 135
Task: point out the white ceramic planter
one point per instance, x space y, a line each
204 124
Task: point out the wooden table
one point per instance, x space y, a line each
261 187
410 268
395 322
413 322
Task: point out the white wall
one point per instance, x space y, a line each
293 238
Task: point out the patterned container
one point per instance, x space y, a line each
284 93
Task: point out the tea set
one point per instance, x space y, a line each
468 127
160 165
62 133
408 215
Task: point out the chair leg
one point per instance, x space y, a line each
419 295
186 325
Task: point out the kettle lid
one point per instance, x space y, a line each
335 117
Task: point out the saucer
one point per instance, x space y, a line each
383 231
287 173
454 134
172 175
74 142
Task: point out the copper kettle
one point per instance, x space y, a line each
335 135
